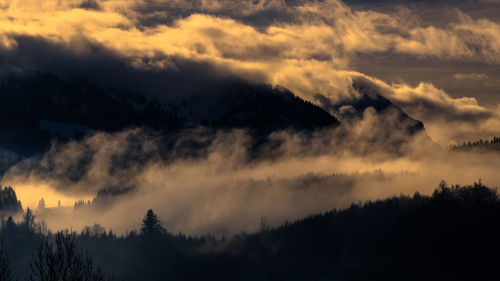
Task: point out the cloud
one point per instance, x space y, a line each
309 50
173 49
222 191
470 76
334 25
326 31
447 119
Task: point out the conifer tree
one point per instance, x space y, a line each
151 225
29 220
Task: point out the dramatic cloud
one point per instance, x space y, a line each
309 50
176 49
448 120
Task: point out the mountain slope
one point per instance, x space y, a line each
37 107
376 120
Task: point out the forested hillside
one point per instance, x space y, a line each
450 235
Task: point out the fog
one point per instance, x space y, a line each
169 50
223 189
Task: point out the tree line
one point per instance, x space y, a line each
481 145
57 257
451 234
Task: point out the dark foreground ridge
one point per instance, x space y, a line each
450 235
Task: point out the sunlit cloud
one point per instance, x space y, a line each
309 51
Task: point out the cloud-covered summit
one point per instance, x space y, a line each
309 47
379 66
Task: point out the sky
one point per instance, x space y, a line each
437 60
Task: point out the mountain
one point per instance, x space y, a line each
377 120
353 108
265 109
38 107
30 104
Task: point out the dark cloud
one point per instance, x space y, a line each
176 79
260 14
177 50
90 5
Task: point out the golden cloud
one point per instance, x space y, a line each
309 53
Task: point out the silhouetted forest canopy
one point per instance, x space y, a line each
8 201
449 235
478 146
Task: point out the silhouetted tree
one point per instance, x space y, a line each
449 235
41 204
10 224
8 201
41 227
63 261
28 220
151 225
5 274
81 204
96 230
